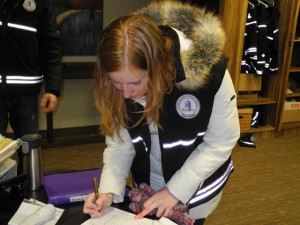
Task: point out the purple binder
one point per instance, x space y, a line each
65 188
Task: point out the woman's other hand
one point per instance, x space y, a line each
162 200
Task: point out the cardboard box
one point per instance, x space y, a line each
291 105
245 116
291 115
250 82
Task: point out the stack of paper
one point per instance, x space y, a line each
7 148
6 165
28 207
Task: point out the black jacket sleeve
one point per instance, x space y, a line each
50 51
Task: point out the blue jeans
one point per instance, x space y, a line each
22 114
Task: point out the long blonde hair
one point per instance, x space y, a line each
134 41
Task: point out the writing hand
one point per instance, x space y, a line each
93 207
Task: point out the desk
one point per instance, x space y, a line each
72 215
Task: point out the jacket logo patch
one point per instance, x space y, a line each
29 5
188 106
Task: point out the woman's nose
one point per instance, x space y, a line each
126 91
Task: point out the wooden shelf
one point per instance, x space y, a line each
254 101
293 95
294 69
259 129
289 118
290 125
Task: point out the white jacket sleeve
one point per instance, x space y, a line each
220 138
117 160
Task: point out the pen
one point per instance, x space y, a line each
96 193
96 188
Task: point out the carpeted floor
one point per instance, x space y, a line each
264 188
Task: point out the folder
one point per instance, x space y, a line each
70 187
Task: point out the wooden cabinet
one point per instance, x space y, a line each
233 14
290 68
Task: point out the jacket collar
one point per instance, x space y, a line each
203 28
168 31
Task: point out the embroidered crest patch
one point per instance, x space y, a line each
188 106
29 5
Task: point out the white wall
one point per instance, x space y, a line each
76 106
116 8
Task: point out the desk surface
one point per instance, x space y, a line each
72 215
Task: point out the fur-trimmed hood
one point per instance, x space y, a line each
202 27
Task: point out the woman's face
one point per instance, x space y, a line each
132 83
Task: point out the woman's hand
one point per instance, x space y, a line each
94 208
162 200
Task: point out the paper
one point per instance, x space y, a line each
9 149
6 165
165 221
114 216
27 207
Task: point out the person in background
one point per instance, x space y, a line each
168 109
30 52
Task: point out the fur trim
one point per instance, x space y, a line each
204 28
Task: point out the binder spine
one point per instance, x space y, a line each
61 200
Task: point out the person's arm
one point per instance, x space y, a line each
50 58
219 140
117 160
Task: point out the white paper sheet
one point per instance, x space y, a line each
114 216
27 207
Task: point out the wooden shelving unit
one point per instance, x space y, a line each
235 29
290 118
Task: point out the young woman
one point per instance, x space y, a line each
168 109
